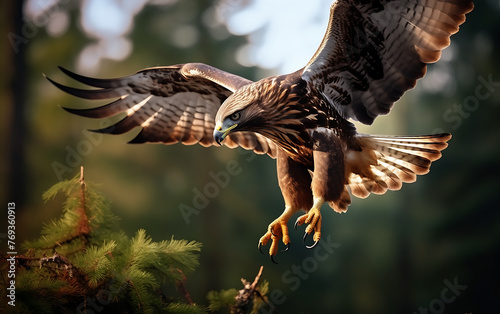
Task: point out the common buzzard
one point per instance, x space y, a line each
373 51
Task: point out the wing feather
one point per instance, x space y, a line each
374 51
170 104
386 162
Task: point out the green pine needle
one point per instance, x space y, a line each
97 263
181 308
221 299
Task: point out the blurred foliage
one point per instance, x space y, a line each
395 250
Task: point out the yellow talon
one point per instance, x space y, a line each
276 230
313 220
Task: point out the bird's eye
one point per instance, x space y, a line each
235 116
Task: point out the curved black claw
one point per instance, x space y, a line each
309 246
272 259
260 248
305 237
312 246
287 247
296 224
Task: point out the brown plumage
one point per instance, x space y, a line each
372 52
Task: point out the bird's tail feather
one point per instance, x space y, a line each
385 162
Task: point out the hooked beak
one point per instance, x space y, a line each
220 134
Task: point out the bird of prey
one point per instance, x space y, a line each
373 51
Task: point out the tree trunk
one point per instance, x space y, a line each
16 95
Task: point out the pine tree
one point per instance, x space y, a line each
84 263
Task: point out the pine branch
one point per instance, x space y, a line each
73 227
221 299
182 287
83 228
97 262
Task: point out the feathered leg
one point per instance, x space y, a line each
295 182
328 183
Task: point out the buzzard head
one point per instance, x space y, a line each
242 111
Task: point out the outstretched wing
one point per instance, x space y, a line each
374 51
171 104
